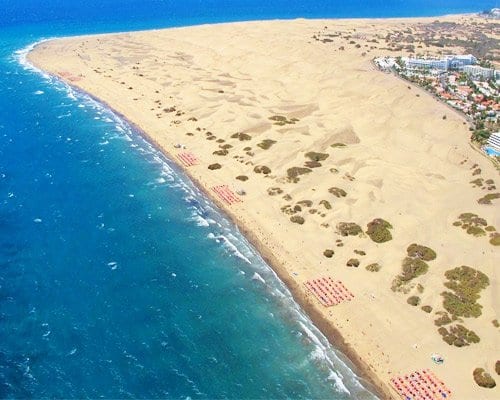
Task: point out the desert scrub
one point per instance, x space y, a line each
422 252
413 300
273 191
378 230
336 145
495 239
266 144
426 309
443 319
294 173
222 152
241 136
242 178
353 262
262 169
326 204
282 120
458 335
477 182
328 253
215 166
483 379
497 367
337 192
486 199
297 219
465 284
313 156
305 203
495 323
349 229
312 164
373 267
413 267
360 252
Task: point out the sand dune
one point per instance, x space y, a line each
343 142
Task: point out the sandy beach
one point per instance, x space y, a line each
294 118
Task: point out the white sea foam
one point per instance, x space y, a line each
39 92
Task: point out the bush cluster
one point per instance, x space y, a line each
297 219
353 262
458 335
422 252
266 144
349 229
241 136
413 300
328 253
313 156
262 169
374 267
465 284
326 204
378 230
215 166
483 379
337 192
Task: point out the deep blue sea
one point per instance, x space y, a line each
118 279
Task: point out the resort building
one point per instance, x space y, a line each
494 141
449 62
479 72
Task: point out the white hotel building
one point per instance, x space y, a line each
443 64
494 141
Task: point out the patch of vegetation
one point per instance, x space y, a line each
472 224
305 203
328 253
221 152
426 309
495 323
337 145
487 198
360 252
312 164
458 335
483 379
349 229
466 283
378 230
422 252
313 156
273 191
266 144
337 192
443 319
373 267
477 182
413 300
353 262
215 166
242 178
294 173
262 169
326 204
497 367
495 239
282 120
297 219
241 136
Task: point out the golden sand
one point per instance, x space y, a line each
402 161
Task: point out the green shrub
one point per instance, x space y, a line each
328 253
242 178
483 379
497 367
413 267
241 136
426 309
266 144
443 319
378 230
297 219
262 169
326 204
294 172
458 335
353 262
487 198
215 166
335 145
273 191
373 267
221 152
337 192
413 300
313 156
312 164
495 239
475 231
360 252
349 229
495 323
421 252
305 203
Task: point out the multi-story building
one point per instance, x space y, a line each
494 141
454 62
477 71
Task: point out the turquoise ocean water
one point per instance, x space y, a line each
118 279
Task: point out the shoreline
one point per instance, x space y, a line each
283 245
334 337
